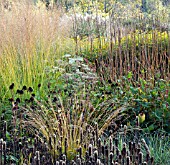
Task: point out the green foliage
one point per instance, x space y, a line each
159 147
145 98
150 100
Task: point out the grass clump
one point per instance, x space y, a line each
31 39
159 148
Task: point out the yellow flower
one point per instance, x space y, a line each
141 117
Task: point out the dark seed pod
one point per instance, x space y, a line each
38 157
79 161
152 160
139 145
31 99
117 151
111 143
11 99
138 150
55 99
114 85
90 150
65 146
86 155
18 91
144 163
116 142
57 163
106 151
140 157
108 92
128 160
120 158
109 81
1 143
147 157
18 100
50 142
26 101
24 88
98 162
20 145
99 143
21 92
134 146
4 151
96 64
123 152
63 163
103 148
11 86
33 95
111 157
95 156
30 89
64 157
80 152
4 146
1 150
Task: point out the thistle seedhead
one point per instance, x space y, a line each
116 142
152 160
144 163
128 160
95 155
140 157
123 152
4 145
98 162
90 149
57 163
111 157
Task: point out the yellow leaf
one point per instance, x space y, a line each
140 90
128 123
145 100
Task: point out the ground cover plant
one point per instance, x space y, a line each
84 82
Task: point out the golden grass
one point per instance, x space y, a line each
31 39
71 121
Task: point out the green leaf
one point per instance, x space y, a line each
67 55
73 60
8 135
151 127
129 75
13 158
